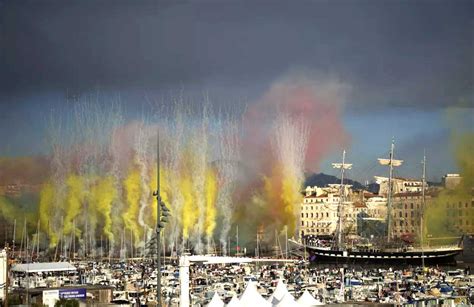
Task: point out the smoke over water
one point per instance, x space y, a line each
216 170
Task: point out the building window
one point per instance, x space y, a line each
302 215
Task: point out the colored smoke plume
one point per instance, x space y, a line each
21 170
99 178
289 130
440 217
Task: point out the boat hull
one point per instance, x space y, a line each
317 254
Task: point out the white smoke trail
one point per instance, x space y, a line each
174 155
200 143
142 152
290 143
229 145
114 152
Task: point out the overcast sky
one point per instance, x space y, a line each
398 52
392 54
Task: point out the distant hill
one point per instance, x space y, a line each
322 180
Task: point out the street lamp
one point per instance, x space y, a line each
162 214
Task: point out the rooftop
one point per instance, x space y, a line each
43 267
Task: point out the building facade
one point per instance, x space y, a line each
319 210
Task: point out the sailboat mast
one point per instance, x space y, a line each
341 195
389 197
391 163
343 166
14 236
237 239
423 200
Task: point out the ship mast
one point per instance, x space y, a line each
391 163
423 199
343 166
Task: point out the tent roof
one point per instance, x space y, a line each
251 297
234 302
288 301
216 301
43 267
308 300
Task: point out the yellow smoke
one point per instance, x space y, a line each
211 194
132 196
103 194
46 211
152 187
190 210
282 196
74 201
451 207
291 197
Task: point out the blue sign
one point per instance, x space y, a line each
72 293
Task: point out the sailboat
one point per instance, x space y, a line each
386 252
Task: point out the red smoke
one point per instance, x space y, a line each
317 103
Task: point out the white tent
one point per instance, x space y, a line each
288 301
234 302
251 297
280 291
43 267
307 300
216 301
281 296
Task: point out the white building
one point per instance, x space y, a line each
399 185
319 209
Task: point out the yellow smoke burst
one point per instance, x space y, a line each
46 207
282 197
211 194
442 214
132 196
291 197
74 202
190 210
103 194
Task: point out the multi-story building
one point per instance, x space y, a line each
366 213
399 185
319 209
460 214
407 210
451 181
376 206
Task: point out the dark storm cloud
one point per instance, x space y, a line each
390 52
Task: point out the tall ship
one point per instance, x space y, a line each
382 249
